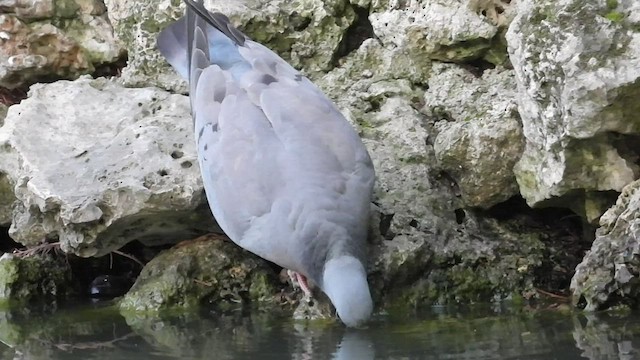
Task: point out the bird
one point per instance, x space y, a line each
287 177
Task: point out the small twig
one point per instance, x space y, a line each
39 249
555 296
202 282
92 345
128 256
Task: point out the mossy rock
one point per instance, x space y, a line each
22 279
207 270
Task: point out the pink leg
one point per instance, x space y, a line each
300 280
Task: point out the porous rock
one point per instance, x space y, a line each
96 166
577 64
307 33
608 274
41 40
479 136
22 279
208 270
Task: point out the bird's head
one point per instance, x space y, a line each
345 283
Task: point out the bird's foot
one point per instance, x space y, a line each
301 281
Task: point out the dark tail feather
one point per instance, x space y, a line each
172 43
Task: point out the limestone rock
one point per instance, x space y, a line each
479 136
608 274
438 30
577 65
44 40
22 278
207 270
97 165
420 227
307 33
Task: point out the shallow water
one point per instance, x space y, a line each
99 332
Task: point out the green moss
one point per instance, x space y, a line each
612 4
615 16
66 8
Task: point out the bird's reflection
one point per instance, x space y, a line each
103 333
355 345
331 342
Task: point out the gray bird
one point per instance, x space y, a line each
286 175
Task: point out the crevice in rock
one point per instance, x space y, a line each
6 242
111 275
477 67
627 147
355 35
10 97
565 236
112 69
385 226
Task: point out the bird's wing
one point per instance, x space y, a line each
268 139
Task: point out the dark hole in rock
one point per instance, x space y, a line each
499 10
177 154
299 22
6 242
564 234
163 172
385 225
460 215
111 69
186 164
477 67
10 97
356 34
414 223
111 275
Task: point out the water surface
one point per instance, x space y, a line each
100 332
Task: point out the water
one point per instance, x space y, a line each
99 332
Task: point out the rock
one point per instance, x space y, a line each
479 136
7 198
608 274
437 30
306 33
22 279
97 166
210 270
577 65
42 40
423 241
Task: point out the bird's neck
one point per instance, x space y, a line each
344 281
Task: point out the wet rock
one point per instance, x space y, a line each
479 136
22 278
97 166
577 65
43 40
608 274
306 33
209 271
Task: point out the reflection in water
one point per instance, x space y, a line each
100 332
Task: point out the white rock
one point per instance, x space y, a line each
99 165
578 74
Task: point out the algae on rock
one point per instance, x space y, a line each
23 280
206 271
578 74
608 274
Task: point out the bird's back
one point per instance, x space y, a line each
286 175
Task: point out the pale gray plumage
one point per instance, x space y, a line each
286 176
